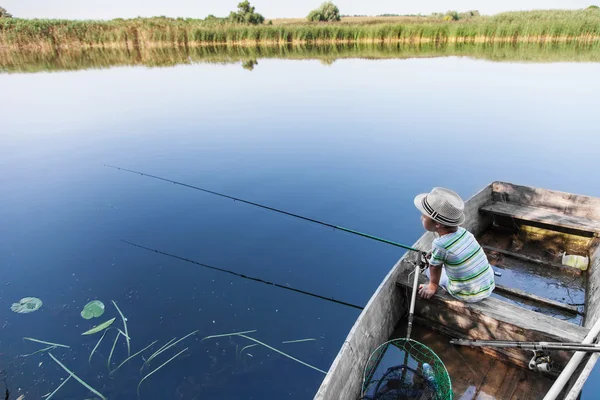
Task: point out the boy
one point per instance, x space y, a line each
457 263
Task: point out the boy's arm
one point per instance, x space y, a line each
427 291
436 262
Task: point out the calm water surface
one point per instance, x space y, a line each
350 143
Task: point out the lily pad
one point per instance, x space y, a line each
92 309
100 327
26 305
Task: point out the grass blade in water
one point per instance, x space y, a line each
171 345
77 378
39 351
58 388
165 363
112 350
129 358
96 346
227 334
247 347
125 326
44 342
300 341
100 327
283 354
156 353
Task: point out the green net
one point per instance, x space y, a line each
405 369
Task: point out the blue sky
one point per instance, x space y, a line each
106 9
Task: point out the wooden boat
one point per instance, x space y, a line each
523 230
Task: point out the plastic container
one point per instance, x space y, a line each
574 261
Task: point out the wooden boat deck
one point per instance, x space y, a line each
479 377
523 230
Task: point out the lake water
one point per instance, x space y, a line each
349 142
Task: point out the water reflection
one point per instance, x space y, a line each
17 60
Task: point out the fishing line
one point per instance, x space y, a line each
331 299
270 209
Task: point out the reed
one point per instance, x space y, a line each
526 26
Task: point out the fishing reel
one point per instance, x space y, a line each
540 362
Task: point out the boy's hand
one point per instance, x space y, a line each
427 291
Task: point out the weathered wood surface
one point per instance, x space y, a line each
535 260
372 328
381 315
537 299
494 319
566 203
489 320
592 294
546 217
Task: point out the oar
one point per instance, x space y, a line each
352 231
590 348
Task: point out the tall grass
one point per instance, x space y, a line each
533 26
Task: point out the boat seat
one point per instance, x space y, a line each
543 216
492 319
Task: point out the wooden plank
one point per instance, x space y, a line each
494 319
537 299
592 294
546 217
535 260
565 203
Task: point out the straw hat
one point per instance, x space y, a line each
442 205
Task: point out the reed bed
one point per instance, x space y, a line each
532 26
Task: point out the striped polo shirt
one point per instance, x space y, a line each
470 276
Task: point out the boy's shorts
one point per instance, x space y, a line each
443 279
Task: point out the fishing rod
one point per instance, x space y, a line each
341 228
591 348
286 287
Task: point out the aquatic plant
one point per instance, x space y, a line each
283 354
242 334
514 27
166 347
26 305
58 388
38 351
112 350
300 340
162 365
44 342
100 327
94 308
91 389
130 357
125 326
96 346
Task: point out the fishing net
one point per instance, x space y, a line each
404 369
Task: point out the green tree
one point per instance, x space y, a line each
328 12
4 13
593 8
246 15
451 16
